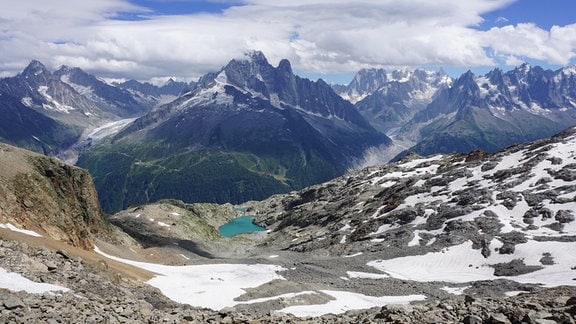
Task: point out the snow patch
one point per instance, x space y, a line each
366 275
27 101
345 301
53 104
455 290
19 230
163 224
15 282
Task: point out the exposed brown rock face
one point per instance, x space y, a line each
49 196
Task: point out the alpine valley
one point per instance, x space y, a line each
245 132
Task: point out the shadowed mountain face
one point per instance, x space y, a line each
244 133
28 128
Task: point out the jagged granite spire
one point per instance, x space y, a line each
36 72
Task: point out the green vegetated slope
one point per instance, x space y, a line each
127 174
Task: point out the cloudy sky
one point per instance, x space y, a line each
156 39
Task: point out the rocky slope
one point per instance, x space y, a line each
45 195
499 206
470 230
98 295
367 233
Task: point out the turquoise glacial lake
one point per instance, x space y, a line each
239 225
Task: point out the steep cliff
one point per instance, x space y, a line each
50 197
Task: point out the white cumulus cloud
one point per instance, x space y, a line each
317 36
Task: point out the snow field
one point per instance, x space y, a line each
345 301
461 264
213 286
216 286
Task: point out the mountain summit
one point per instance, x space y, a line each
390 99
245 132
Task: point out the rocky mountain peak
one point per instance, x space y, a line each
526 75
496 76
35 67
569 70
65 69
365 82
401 75
169 82
421 74
36 72
369 80
465 78
75 75
285 66
249 72
279 86
523 68
467 85
257 57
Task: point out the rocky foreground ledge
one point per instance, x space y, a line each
97 295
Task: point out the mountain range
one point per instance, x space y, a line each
251 129
244 133
435 114
49 112
389 100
